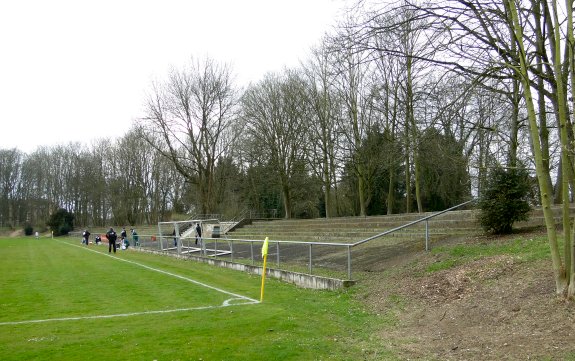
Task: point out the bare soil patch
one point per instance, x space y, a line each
495 308
16 233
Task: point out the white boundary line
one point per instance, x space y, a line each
164 272
227 303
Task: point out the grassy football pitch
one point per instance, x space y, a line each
62 300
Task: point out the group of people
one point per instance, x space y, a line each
124 241
112 238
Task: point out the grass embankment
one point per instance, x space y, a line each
526 249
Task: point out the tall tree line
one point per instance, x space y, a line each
524 51
385 116
113 181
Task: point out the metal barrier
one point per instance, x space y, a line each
249 248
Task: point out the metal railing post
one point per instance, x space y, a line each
232 251
252 251
310 257
427 234
278 253
349 262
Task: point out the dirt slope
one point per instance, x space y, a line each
496 308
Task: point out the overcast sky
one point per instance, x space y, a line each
77 70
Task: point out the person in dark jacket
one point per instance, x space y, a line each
86 237
135 237
198 233
112 236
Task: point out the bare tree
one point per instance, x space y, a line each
353 89
324 125
10 176
504 40
189 120
388 70
274 111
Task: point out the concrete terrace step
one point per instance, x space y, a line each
371 227
377 220
355 233
352 229
348 236
466 215
336 239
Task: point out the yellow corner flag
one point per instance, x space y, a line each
265 248
265 257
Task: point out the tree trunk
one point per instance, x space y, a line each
327 186
409 112
287 201
571 61
514 128
391 191
542 173
563 122
407 172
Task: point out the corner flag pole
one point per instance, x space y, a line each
265 257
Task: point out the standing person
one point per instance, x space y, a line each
135 237
86 236
112 236
123 237
175 239
198 233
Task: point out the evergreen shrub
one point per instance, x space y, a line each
505 200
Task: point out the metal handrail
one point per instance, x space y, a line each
424 219
349 246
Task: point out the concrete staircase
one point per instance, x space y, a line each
372 255
353 229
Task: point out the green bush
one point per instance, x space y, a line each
28 229
61 222
504 200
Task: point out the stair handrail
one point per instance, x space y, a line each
424 219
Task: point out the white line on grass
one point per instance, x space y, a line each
251 300
226 303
